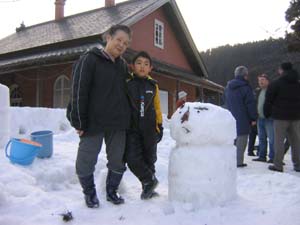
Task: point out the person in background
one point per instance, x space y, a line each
265 125
283 105
286 145
99 109
240 102
146 124
182 95
251 140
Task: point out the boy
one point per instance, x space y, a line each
146 124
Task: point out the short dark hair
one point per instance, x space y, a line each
141 54
264 76
286 66
113 30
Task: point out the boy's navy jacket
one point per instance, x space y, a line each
148 88
241 103
98 97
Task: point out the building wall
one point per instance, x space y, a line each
27 85
169 85
173 86
36 85
172 53
143 39
191 90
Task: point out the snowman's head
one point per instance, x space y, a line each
198 123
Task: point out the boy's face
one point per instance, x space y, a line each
142 67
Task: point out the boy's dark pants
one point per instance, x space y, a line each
140 154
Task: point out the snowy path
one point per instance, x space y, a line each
38 193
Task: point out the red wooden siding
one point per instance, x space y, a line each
143 39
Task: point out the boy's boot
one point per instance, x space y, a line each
90 195
148 188
112 183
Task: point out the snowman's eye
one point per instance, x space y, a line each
179 112
198 111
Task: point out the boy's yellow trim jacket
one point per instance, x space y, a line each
157 108
148 88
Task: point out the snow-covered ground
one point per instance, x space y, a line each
39 193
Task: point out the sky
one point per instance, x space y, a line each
39 193
211 23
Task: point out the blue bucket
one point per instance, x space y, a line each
22 151
45 138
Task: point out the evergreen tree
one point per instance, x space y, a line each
292 15
260 57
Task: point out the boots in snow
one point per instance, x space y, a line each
112 183
148 188
89 190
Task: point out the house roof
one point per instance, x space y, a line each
34 41
45 57
90 23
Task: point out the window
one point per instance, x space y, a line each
15 95
164 102
61 92
158 34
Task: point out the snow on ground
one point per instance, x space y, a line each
39 193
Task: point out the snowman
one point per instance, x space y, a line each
202 166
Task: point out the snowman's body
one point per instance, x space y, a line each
202 167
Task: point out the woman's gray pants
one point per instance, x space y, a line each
90 146
241 143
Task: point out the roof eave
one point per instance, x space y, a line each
145 12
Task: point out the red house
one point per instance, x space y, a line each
36 61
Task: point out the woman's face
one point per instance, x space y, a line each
117 43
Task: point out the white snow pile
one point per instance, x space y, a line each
202 167
39 193
5 115
25 120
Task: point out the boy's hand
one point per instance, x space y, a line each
160 134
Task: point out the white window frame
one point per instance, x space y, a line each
15 95
60 102
159 37
164 101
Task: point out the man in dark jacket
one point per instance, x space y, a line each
240 102
98 110
283 105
